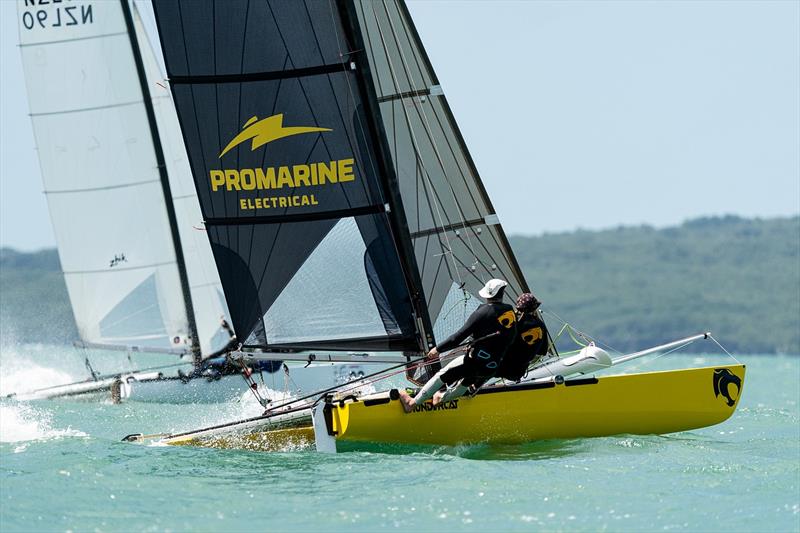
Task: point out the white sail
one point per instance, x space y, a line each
205 287
100 174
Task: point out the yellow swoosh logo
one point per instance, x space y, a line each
266 130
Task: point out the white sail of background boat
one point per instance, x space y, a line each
344 211
139 273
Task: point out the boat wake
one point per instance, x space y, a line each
22 423
19 373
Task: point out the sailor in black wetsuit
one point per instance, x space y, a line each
530 343
492 328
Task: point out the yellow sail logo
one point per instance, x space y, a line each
265 131
507 319
532 335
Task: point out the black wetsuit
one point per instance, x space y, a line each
530 342
492 325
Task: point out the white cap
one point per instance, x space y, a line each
492 287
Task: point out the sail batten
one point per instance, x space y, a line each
76 39
329 215
260 76
100 188
91 108
408 94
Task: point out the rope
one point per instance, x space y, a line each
723 348
466 297
247 374
586 336
363 381
336 387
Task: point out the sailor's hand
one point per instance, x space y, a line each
433 354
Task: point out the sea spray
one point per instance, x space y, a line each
21 422
25 370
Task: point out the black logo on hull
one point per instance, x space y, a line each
723 378
428 406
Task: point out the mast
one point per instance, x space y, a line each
397 214
165 187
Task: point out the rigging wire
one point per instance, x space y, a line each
334 388
723 348
580 333
569 328
659 356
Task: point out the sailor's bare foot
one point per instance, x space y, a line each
437 398
407 401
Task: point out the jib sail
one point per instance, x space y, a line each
104 177
287 165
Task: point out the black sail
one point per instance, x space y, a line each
284 161
458 241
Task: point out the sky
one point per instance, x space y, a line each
585 115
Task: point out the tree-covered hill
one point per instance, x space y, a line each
634 287
630 287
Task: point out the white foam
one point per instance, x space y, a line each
21 372
249 405
20 422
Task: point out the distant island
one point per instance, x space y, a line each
631 287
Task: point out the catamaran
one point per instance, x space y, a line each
282 102
137 262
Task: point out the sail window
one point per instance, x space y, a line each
329 297
137 319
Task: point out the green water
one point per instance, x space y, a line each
63 467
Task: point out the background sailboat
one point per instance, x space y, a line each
139 277
139 270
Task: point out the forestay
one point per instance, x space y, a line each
287 164
458 240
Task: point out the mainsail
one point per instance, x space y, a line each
286 157
105 177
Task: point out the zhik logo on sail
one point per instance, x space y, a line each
303 184
267 130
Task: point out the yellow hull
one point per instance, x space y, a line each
276 440
648 403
